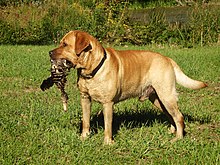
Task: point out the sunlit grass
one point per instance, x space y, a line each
35 130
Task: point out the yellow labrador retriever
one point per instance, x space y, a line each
109 76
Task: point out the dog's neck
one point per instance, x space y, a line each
92 74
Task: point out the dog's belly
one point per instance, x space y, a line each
111 93
139 91
116 91
129 94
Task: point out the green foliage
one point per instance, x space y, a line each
45 22
155 31
139 4
202 28
19 2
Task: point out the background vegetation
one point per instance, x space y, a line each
35 130
45 22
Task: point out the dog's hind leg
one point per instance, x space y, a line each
153 97
169 100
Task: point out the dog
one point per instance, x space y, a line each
109 76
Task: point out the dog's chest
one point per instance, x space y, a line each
99 91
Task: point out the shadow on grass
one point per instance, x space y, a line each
137 119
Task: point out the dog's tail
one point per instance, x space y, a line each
184 80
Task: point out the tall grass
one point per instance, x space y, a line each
45 22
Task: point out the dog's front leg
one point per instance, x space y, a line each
108 118
86 110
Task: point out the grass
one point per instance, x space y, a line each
35 130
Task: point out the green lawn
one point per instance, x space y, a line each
35 130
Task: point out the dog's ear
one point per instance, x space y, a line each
82 42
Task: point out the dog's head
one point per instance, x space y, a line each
78 47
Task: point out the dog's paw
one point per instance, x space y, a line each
172 130
174 140
46 84
108 141
177 138
85 135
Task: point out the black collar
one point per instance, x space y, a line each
92 74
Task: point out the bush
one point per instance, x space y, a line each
202 28
154 32
19 2
101 20
45 22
